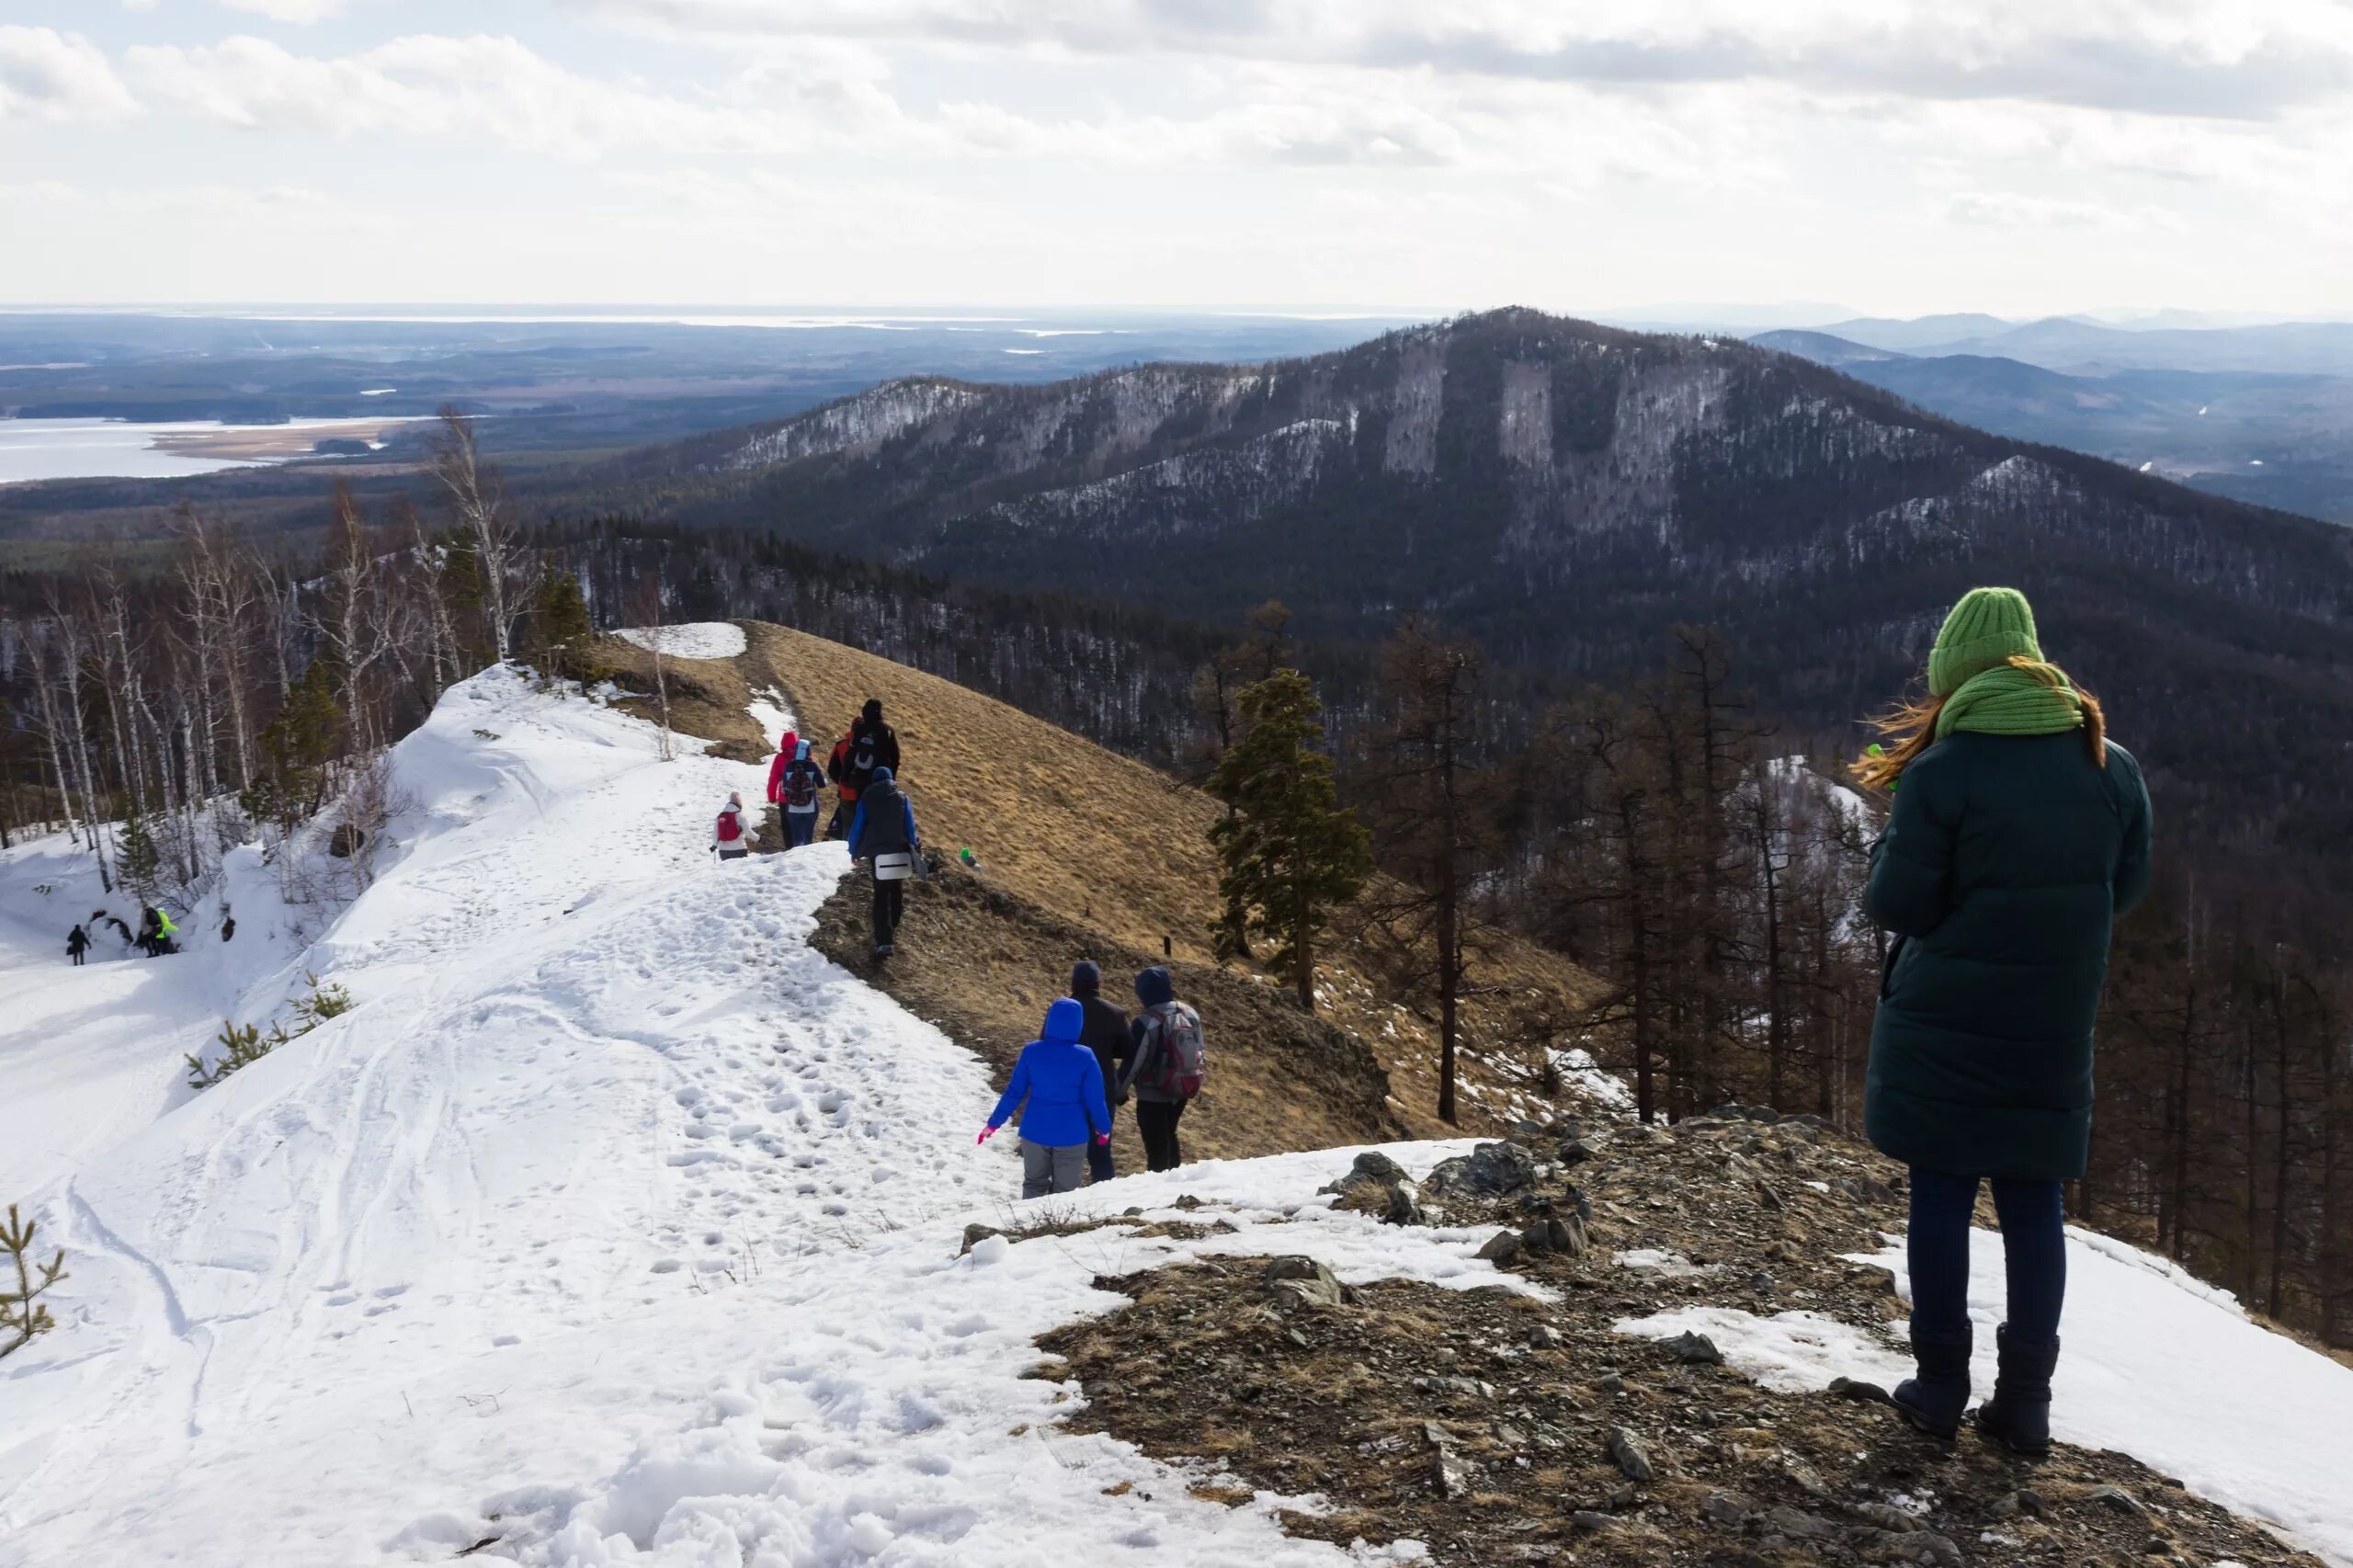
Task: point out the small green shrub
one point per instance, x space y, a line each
21 1315
241 1047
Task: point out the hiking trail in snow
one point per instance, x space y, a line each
616 1225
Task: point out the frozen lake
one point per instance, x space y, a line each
116 448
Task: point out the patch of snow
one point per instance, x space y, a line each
1577 1067
690 640
2155 1364
1787 1352
1668 1265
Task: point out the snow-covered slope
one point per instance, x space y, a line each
615 1225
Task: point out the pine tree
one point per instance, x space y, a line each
1434 809
137 859
1291 853
559 620
21 1315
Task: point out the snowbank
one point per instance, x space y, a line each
612 1210
2156 1364
690 640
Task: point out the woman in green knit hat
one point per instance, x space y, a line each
2018 834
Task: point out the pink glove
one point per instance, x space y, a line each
984 1134
1101 1139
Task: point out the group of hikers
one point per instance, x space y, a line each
1089 1059
871 811
157 934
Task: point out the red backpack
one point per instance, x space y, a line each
1181 1061
731 827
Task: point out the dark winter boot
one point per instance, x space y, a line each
1933 1399
2018 1416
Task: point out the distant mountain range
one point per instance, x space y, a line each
2277 437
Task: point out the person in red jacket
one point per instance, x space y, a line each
784 750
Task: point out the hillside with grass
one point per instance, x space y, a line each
1080 853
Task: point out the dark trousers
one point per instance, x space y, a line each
1098 1156
890 903
2034 1252
800 827
838 827
77 960
1156 1120
733 854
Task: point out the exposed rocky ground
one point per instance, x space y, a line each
1497 1426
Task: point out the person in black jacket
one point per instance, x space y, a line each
79 942
885 825
870 747
2018 832
1105 1032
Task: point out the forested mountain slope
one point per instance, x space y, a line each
1563 490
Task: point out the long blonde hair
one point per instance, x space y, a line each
1910 727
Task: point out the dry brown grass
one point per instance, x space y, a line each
1083 853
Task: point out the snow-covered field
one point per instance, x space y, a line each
617 1226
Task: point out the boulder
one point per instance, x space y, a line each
1501 1248
1695 1350
1491 1170
1372 1168
1301 1281
1632 1460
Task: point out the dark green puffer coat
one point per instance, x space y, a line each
2006 859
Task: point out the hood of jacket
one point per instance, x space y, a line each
1065 1020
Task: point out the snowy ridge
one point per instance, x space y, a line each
612 1210
617 1226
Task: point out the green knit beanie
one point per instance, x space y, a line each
1985 630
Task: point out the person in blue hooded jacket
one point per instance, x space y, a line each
1058 1089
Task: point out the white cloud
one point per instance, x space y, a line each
46 74
301 13
2226 58
2009 209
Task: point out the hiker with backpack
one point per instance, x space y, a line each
156 931
1166 1063
1058 1089
727 835
1105 1032
2018 832
786 749
869 746
795 787
77 943
884 834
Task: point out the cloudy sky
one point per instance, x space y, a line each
1895 156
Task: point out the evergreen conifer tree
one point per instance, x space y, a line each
1291 853
560 620
21 1315
137 859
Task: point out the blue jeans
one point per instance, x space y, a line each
800 827
2034 1253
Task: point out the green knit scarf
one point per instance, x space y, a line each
2008 700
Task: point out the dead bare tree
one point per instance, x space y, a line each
646 607
479 499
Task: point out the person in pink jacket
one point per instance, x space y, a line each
783 759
